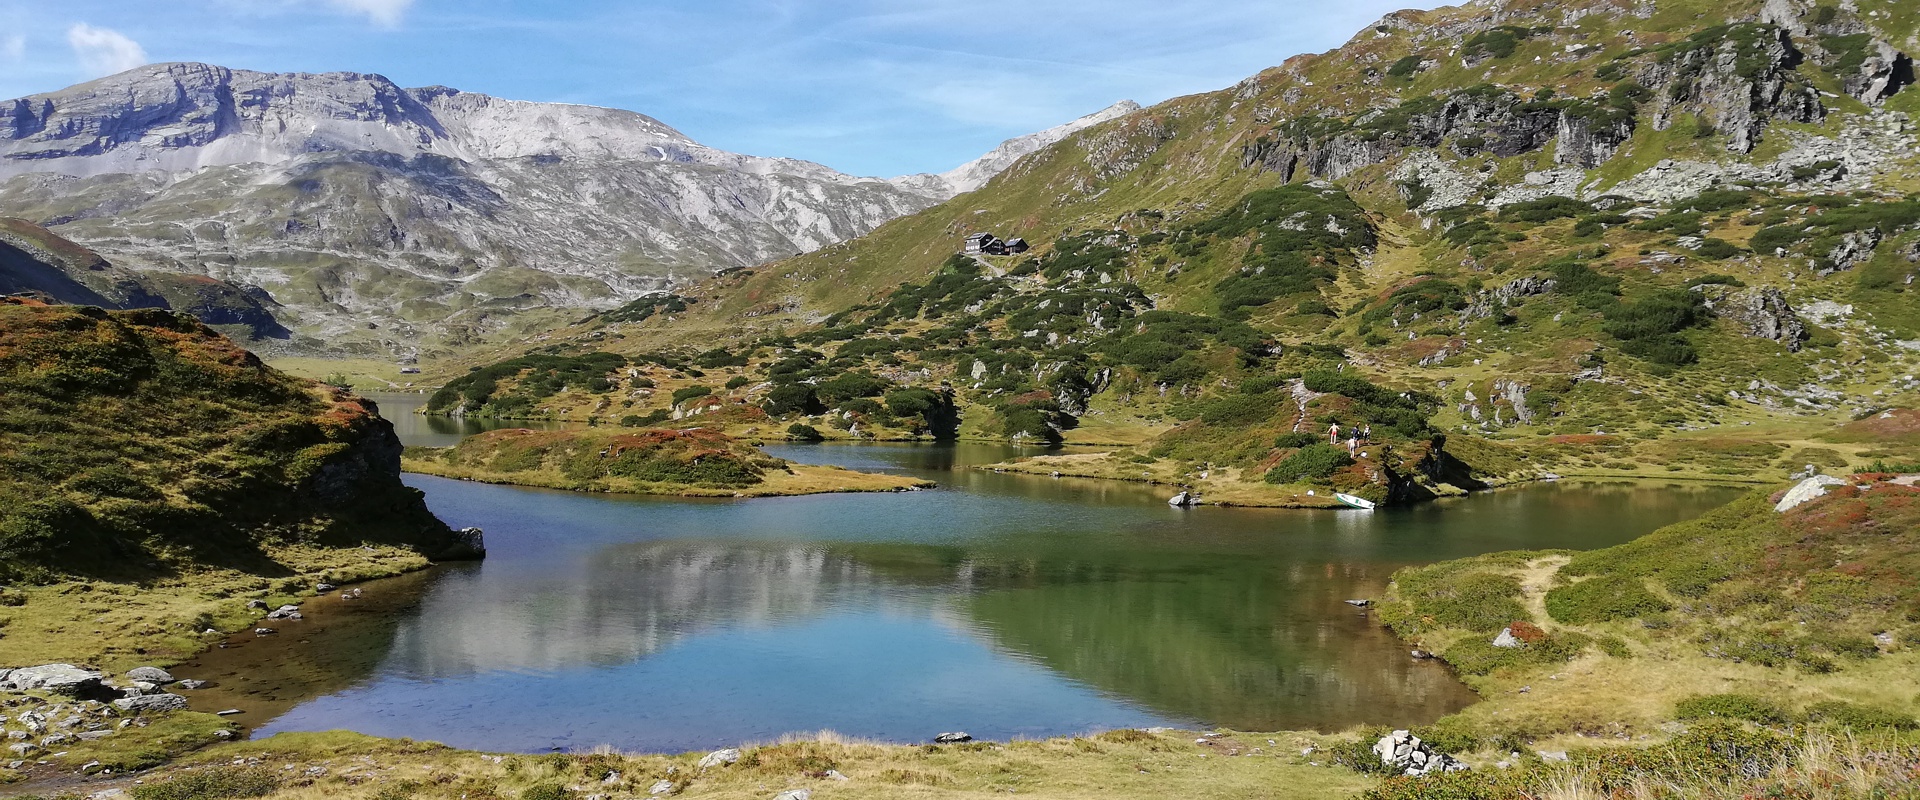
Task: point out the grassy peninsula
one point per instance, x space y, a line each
694 462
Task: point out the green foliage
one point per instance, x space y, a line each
1311 464
1545 209
540 376
1732 706
1602 599
1860 718
548 791
1457 595
804 433
640 310
1497 42
1478 656
686 393
1357 754
1294 439
1288 257
1405 67
650 419
210 783
130 440
1650 327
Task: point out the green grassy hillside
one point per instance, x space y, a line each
140 444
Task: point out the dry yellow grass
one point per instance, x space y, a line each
343 766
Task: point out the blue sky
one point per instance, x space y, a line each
871 87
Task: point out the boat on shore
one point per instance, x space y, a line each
1354 502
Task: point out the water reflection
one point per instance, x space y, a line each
1005 605
416 429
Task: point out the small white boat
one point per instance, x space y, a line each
1357 502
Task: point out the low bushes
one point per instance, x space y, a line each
1313 463
1602 599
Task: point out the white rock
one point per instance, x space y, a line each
1807 491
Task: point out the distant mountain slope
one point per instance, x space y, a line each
385 218
37 262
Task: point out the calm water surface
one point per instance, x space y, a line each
1002 605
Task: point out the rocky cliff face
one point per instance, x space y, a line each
380 219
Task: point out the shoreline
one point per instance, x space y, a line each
825 480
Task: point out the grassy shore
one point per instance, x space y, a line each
693 462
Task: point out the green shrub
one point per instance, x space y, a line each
547 791
1860 718
804 433
1471 785
650 419
1601 599
1312 463
1732 706
210 783
1357 754
690 392
1405 67
1294 439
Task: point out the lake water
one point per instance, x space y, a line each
1002 605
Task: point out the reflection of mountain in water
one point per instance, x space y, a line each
624 603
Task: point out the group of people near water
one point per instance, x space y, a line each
1355 436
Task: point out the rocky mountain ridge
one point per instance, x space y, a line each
387 220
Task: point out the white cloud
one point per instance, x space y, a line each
103 51
383 12
13 48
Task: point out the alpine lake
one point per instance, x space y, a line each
1002 605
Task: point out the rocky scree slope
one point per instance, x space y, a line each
144 443
382 218
1588 226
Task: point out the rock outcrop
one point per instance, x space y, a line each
1761 313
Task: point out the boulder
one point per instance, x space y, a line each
1507 639
1806 491
152 702
190 684
153 675
64 679
795 794
719 758
954 737
662 788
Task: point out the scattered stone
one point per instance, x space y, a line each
834 774
151 702
1422 655
22 748
93 736
955 737
285 612
662 788
91 767
719 758
229 712
264 631
223 734
795 794
324 588
1552 755
1807 491
153 675
1507 639
190 684
257 604
1402 750
1359 603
